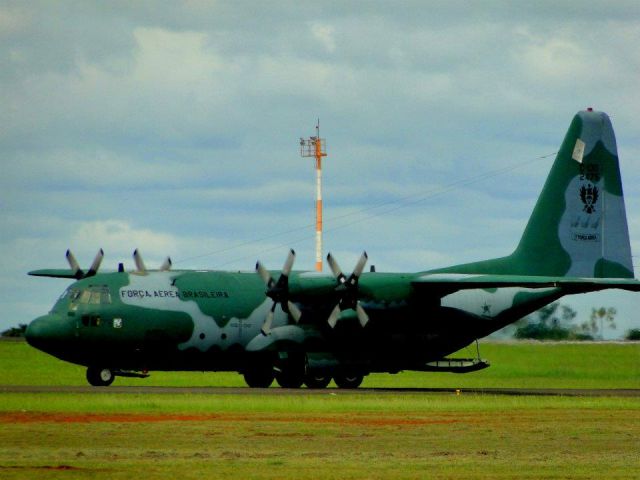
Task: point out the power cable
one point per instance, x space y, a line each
395 204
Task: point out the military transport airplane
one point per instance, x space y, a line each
308 328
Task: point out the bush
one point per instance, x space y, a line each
633 334
539 331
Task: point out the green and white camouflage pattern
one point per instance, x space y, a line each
333 326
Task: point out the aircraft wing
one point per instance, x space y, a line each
442 284
54 273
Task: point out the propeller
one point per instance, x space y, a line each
95 265
166 265
142 269
93 269
278 291
348 289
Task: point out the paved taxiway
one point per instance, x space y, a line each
568 392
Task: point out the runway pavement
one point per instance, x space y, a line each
567 392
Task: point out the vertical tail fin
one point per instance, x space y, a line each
579 225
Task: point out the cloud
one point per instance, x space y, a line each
325 35
174 128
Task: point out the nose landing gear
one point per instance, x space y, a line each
100 377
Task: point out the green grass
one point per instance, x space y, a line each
341 402
334 435
443 437
513 365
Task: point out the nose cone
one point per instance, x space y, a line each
48 333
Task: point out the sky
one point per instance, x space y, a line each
174 127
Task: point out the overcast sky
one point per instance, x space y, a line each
173 127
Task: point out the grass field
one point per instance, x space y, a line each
513 365
338 435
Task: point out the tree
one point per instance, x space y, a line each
15 331
596 323
552 322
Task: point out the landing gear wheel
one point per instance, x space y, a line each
290 378
291 370
259 378
100 377
348 380
317 380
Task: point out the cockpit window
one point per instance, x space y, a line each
84 297
92 295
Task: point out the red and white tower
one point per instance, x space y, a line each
316 147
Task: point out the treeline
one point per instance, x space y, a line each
15 331
558 322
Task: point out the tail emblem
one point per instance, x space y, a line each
589 196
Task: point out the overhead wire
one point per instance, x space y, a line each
395 204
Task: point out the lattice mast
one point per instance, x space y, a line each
316 147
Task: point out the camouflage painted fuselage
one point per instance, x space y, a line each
576 241
212 321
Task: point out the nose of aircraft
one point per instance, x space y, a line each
47 332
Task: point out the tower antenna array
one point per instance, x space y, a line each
316 147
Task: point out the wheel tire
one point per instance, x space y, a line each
100 377
259 378
348 380
317 380
290 379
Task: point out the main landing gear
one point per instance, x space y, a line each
292 373
317 380
259 377
348 380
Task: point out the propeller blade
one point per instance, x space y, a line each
294 311
265 275
362 315
360 265
335 268
279 291
266 326
95 266
137 258
73 263
347 290
288 264
166 265
333 318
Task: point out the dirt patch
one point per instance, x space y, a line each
361 420
40 467
56 417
